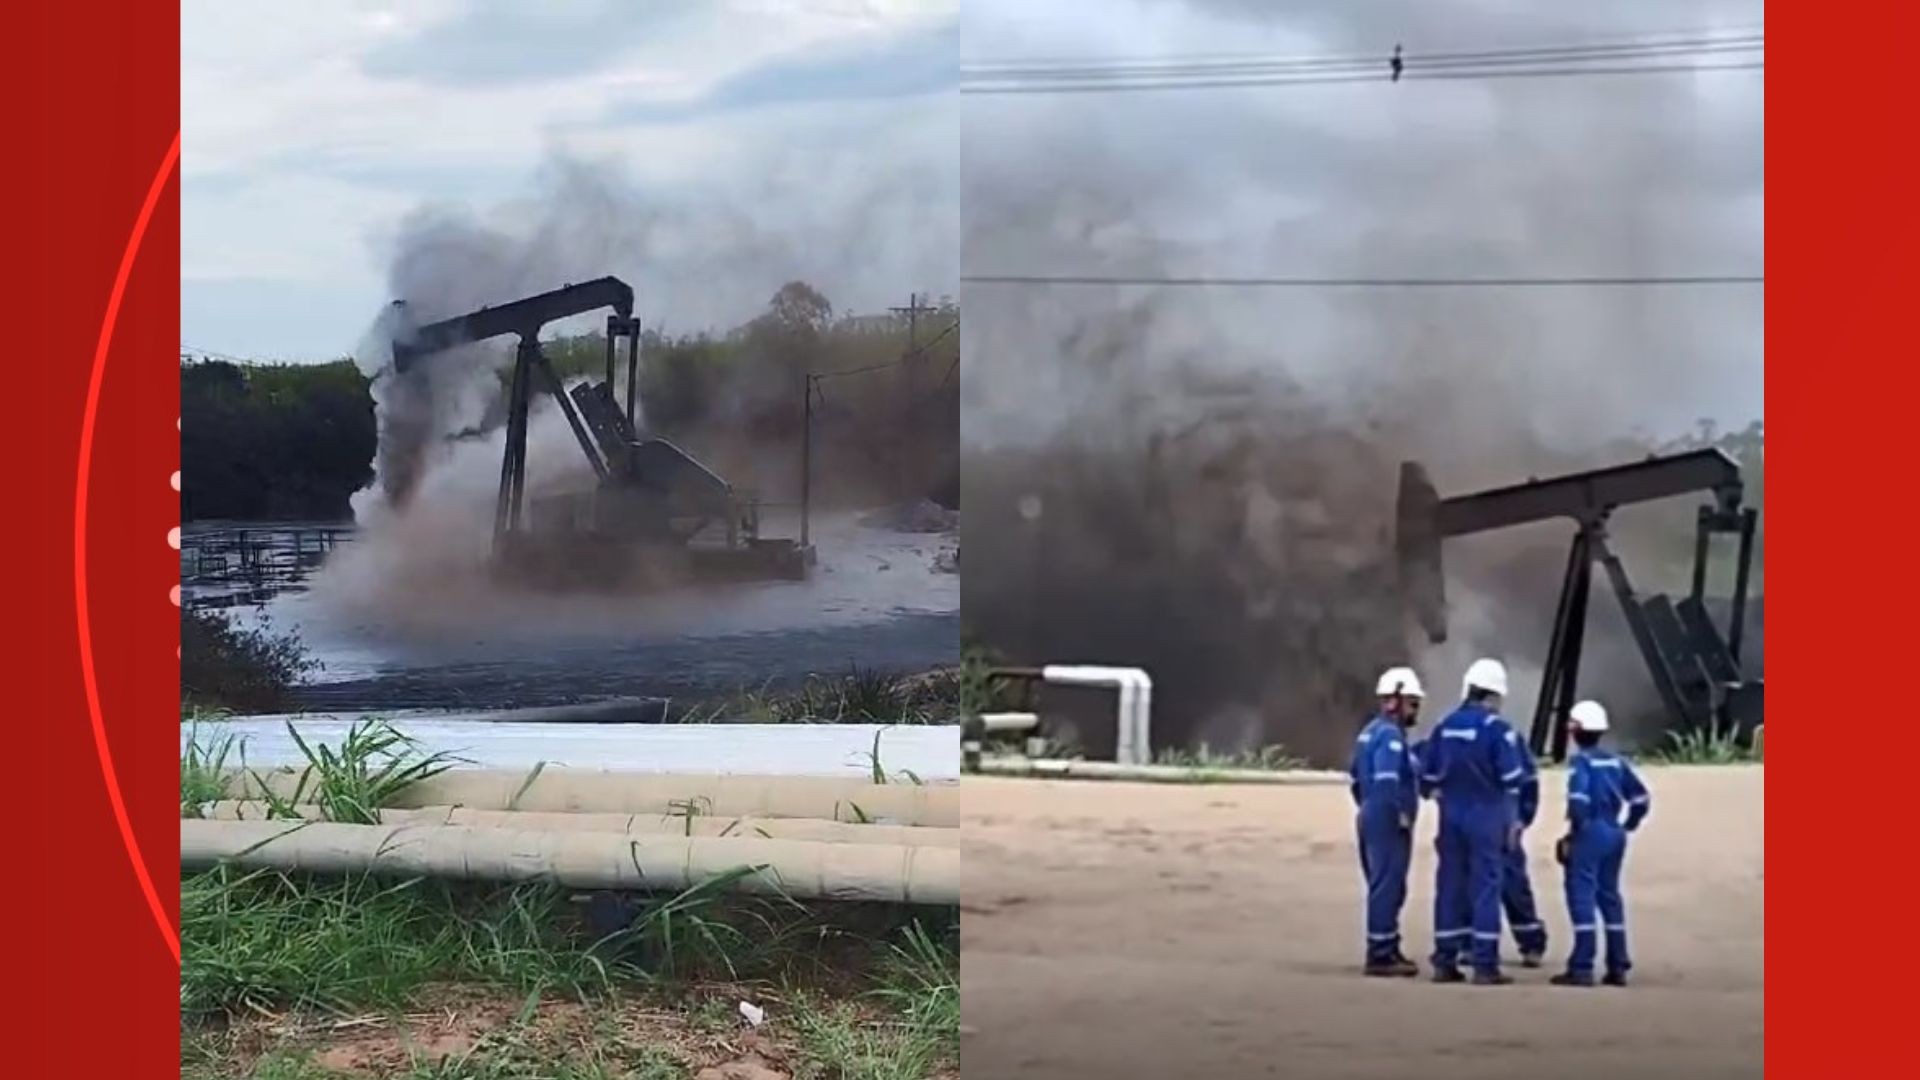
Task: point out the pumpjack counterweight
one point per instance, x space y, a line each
1694 667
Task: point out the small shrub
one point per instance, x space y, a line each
1714 744
225 667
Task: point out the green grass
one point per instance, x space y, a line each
918 997
1711 745
1271 758
877 769
265 941
351 783
861 696
858 990
202 769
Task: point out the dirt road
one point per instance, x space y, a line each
1124 930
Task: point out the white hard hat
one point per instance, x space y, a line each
1403 681
1485 675
1588 716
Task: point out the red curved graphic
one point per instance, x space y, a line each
80 486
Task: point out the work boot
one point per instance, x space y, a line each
1530 959
1398 967
1491 978
1615 978
1571 979
1448 974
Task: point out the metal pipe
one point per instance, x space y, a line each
613 327
1132 745
806 457
588 860
502 505
1630 607
1008 721
1749 522
1055 768
588 791
633 375
1702 549
580 433
698 824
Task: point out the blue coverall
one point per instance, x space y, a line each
1600 785
1473 765
1516 889
1385 790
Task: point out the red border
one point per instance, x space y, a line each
100 92
1841 243
95 911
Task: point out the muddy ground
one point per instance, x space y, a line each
1125 930
470 1032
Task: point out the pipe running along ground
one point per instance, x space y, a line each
698 825
574 791
1057 768
805 870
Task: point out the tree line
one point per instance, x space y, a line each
295 441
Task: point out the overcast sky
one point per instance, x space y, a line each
1629 175
311 131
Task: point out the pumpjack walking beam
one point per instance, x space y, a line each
526 318
1693 669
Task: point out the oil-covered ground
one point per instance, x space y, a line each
880 598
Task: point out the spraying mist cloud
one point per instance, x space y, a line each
696 262
1216 467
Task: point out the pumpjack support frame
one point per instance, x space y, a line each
1694 668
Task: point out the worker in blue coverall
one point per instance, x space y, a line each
1600 784
1472 765
1516 889
1385 786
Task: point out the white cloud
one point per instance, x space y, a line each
300 153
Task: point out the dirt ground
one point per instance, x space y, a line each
1129 930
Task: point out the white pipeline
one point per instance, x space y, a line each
1164 774
697 825
575 791
1133 745
488 741
583 860
995 723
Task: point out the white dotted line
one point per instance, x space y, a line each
173 540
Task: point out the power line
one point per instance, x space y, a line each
1354 77
1370 283
1670 39
1373 67
1115 67
1641 56
919 350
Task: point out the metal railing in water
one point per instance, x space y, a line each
235 565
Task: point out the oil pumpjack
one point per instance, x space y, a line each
1695 669
653 508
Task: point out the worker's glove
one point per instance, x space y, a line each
1513 835
1563 850
1406 822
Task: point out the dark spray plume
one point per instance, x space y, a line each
1202 481
696 260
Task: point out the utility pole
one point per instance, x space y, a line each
910 382
914 309
806 457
